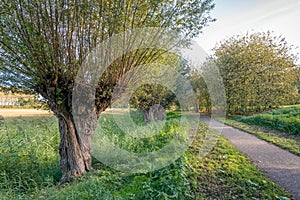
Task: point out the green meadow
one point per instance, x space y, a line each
30 166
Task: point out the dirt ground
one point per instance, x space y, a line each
7 113
23 112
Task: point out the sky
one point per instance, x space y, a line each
241 16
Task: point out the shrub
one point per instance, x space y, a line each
285 119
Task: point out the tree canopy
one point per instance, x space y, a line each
258 72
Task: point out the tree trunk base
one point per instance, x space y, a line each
155 113
74 150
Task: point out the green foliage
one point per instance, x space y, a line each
199 86
257 71
285 119
297 82
149 95
43 43
104 183
138 145
174 114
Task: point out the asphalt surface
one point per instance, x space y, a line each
279 165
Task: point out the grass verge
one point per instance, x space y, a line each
226 173
285 141
264 126
286 120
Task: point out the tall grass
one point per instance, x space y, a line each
28 155
29 167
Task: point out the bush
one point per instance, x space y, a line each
285 120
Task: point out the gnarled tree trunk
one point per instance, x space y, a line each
74 149
155 113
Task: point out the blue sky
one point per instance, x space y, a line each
239 16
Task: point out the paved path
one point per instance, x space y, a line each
279 165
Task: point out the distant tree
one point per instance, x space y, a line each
201 90
43 43
154 99
257 71
297 73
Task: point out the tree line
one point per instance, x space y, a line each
259 72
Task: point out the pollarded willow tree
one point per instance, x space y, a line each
154 99
258 72
43 43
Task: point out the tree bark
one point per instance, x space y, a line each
147 115
77 120
74 149
155 113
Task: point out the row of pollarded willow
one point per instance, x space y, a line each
43 43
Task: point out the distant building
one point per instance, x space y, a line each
14 99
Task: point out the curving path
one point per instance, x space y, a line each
279 165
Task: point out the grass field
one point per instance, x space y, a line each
29 167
